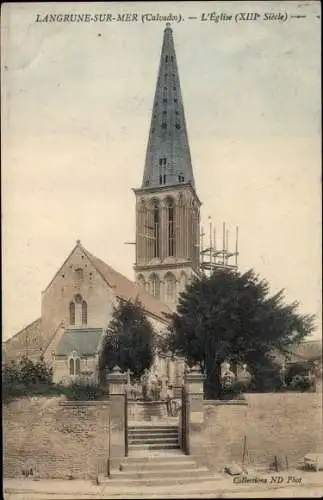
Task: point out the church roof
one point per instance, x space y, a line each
308 350
85 341
168 158
127 289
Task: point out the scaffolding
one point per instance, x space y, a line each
214 256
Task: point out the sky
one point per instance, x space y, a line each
76 109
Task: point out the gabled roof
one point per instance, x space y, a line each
124 288
34 326
308 350
85 341
127 289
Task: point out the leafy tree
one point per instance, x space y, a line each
129 340
231 316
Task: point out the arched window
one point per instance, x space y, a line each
154 285
170 287
72 313
84 313
171 227
156 226
77 366
141 281
72 366
183 282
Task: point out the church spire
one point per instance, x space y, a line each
168 158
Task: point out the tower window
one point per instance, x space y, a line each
170 283
141 281
171 58
175 100
154 285
164 125
165 100
162 167
171 228
156 229
177 125
165 75
166 58
181 178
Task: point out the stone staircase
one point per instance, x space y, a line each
160 468
155 459
153 437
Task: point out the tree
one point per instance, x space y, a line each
230 316
129 340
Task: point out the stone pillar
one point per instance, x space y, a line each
171 372
117 382
179 375
193 381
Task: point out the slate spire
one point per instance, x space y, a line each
168 158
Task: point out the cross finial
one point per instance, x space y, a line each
78 242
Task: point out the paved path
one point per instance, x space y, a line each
311 485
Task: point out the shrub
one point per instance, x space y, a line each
233 389
301 383
81 391
27 378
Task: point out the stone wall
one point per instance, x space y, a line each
282 424
55 438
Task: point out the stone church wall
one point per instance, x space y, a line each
282 424
88 366
54 440
62 290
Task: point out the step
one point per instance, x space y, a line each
164 465
159 432
163 474
163 430
160 427
154 446
153 441
153 435
158 456
117 480
149 435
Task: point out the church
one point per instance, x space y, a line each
77 304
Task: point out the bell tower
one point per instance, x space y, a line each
167 206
